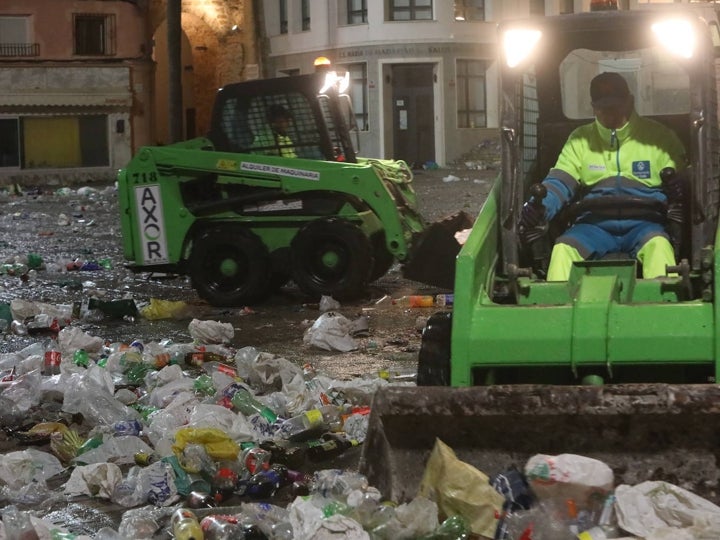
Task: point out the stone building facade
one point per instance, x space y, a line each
83 83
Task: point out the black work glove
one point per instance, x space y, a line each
673 185
532 215
532 222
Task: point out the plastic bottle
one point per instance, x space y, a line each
213 366
308 424
246 403
453 528
17 524
81 358
221 527
329 446
203 385
414 301
398 375
185 525
443 300
606 527
52 360
264 484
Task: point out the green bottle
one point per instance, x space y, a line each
81 358
244 402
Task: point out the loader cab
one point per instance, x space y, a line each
320 118
668 57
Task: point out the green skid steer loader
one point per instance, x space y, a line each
607 364
244 210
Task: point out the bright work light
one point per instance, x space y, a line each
518 44
340 81
676 35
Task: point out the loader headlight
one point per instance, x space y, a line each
339 81
518 44
676 35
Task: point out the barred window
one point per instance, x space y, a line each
471 99
356 11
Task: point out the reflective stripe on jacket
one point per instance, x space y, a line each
625 161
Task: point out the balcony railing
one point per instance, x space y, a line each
19 49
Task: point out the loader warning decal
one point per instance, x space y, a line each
285 171
151 224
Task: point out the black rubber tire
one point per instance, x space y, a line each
331 240
383 259
215 247
434 356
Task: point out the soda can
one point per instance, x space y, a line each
143 459
161 360
127 427
195 358
256 459
223 484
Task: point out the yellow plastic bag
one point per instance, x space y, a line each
165 309
458 488
218 445
64 442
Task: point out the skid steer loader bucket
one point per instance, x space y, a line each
432 256
642 432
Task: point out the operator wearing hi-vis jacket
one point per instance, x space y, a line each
619 155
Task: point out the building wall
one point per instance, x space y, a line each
92 97
127 87
383 46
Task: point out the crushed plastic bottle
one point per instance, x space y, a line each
17 524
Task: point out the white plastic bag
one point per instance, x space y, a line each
211 331
331 332
569 476
650 507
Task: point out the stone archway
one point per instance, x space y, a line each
215 37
